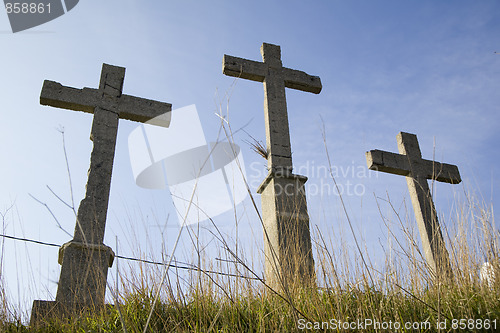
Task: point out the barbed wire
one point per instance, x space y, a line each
178 265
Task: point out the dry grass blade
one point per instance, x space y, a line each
258 147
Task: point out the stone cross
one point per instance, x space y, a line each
286 222
85 259
409 163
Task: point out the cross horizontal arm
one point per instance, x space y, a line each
244 68
387 162
400 165
59 96
87 99
142 109
300 80
257 71
442 172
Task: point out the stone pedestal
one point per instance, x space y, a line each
44 312
287 239
84 272
82 283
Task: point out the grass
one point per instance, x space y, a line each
353 295
403 293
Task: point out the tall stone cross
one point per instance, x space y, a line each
85 259
286 223
409 163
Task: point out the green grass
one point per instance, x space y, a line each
351 291
402 294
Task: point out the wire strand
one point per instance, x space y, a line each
185 266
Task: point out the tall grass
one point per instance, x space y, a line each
352 293
402 292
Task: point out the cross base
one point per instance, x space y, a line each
43 312
82 284
289 261
84 272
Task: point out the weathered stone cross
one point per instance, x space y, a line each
85 259
286 222
417 171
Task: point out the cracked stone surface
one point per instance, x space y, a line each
409 163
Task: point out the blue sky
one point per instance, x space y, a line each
423 67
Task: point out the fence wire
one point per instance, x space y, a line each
178 265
